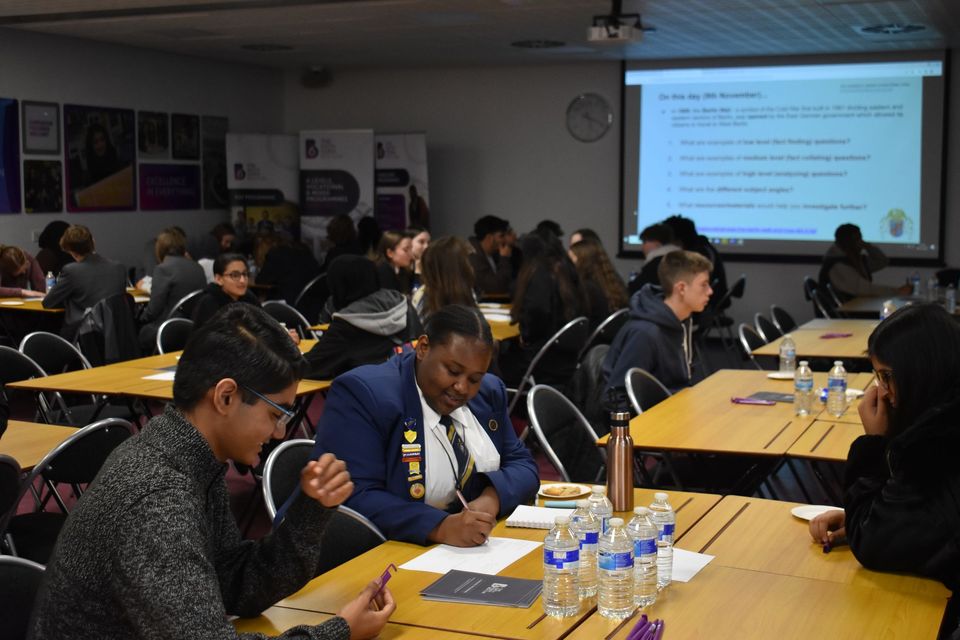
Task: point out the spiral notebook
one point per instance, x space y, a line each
535 517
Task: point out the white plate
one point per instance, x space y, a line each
582 489
12 303
780 375
811 511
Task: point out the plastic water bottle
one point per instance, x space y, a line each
666 521
803 394
561 570
837 389
788 354
915 284
601 507
888 308
644 535
950 299
51 280
933 289
586 527
615 566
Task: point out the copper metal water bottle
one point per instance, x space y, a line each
620 462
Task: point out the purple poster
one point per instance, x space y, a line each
165 187
100 149
9 156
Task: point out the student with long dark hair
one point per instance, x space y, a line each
902 480
447 277
602 285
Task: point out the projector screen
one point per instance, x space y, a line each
769 159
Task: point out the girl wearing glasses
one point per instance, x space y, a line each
231 282
902 480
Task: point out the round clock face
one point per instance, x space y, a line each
589 116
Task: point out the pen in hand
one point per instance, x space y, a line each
466 507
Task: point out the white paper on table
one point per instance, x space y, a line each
164 375
490 558
687 564
141 299
503 317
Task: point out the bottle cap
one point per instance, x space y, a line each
660 496
562 520
598 489
615 522
838 363
641 511
804 363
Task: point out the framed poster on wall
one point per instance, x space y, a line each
41 127
100 153
42 186
186 136
153 134
9 156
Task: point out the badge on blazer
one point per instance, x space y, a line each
417 490
410 436
492 425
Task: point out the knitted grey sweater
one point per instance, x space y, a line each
153 551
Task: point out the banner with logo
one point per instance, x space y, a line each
9 156
263 177
336 177
402 188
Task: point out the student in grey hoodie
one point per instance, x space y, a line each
368 323
658 336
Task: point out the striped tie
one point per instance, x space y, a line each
464 459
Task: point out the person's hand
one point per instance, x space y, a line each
828 527
506 250
464 529
28 293
874 411
294 335
488 502
904 290
367 613
326 480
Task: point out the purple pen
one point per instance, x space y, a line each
827 547
765 403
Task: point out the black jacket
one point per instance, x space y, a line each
902 497
213 299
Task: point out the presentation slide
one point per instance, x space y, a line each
770 160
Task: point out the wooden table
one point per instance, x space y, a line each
276 620
26 304
768 580
811 344
501 329
28 442
702 418
329 592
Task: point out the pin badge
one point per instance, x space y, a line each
492 425
417 491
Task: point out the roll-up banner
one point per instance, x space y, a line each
263 176
402 188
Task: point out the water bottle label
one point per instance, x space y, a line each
790 354
666 531
562 559
804 385
644 547
614 561
589 537
586 547
837 383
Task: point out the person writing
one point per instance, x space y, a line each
426 435
20 274
902 482
152 549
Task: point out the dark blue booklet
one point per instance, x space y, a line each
479 588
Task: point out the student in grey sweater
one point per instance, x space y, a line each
152 549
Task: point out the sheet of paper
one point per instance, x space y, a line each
502 317
489 558
164 375
141 299
687 564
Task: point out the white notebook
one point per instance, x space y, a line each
535 517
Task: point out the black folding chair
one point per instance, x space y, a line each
605 331
645 391
750 340
172 335
19 583
53 353
184 306
767 330
782 320
287 315
311 298
567 438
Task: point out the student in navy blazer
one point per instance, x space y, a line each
374 420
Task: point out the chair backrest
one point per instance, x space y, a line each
282 312
19 583
173 333
184 306
281 472
567 438
53 353
644 389
9 483
15 366
310 300
108 331
569 339
767 330
347 535
750 340
811 291
782 320
605 331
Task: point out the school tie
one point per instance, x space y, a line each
464 459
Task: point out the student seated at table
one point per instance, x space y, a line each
849 266
368 322
85 282
657 241
602 286
51 257
20 274
658 336
231 282
152 549
415 429
395 261
490 260
447 277
175 276
285 265
902 481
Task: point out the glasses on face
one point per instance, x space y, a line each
884 376
237 275
286 415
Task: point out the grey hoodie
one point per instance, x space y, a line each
652 339
382 313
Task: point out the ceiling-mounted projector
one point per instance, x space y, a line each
615 34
